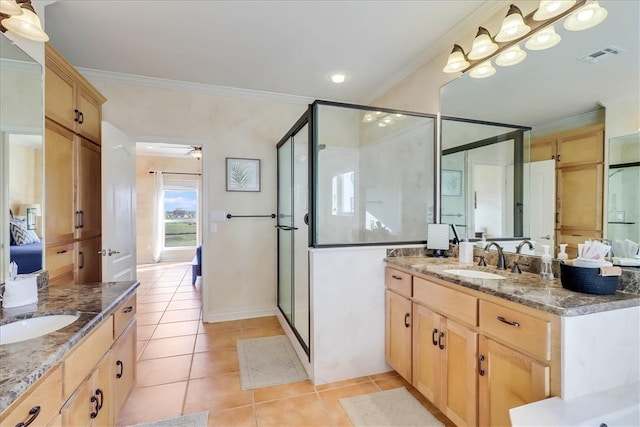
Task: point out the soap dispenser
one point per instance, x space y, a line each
563 252
545 268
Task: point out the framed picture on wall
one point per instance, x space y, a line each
451 182
243 174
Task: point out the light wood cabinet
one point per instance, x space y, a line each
398 334
123 372
507 379
70 99
72 166
61 262
579 197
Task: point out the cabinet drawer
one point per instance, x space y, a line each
60 260
46 394
446 301
398 282
526 332
86 355
123 315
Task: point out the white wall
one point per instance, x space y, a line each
239 258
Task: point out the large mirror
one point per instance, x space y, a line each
21 130
569 86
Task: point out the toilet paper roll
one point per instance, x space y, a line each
19 292
465 252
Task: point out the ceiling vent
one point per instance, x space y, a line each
602 54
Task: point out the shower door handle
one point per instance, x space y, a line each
306 218
285 227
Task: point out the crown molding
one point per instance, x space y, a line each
92 74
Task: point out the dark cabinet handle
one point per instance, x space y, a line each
81 254
81 119
503 320
480 370
433 336
406 320
100 394
94 414
440 344
76 115
33 414
121 365
128 309
81 219
61 252
396 277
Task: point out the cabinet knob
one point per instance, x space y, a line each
33 414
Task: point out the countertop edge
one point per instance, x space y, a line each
10 396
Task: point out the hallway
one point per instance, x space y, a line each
186 366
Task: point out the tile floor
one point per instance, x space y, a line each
186 366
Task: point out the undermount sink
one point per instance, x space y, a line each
474 274
25 329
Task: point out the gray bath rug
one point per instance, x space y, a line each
391 408
198 419
268 361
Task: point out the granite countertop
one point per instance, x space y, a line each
526 288
23 363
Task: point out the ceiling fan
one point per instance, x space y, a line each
173 150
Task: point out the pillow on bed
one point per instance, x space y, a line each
20 234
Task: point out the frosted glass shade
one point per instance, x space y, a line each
513 26
544 39
10 7
456 61
589 15
512 56
482 45
26 25
551 8
482 71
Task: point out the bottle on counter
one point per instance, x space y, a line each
545 268
563 252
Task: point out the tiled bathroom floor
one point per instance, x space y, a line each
186 366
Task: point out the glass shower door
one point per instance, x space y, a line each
285 228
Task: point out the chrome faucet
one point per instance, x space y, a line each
502 263
521 244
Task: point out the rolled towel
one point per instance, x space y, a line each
19 292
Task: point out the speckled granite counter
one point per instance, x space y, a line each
23 363
526 288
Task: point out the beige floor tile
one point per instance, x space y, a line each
176 329
181 315
265 394
145 331
345 383
217 341
148 318
153 307
330 399
184 304
164 283
214 328
216 394
140 346
236 417
163 371
160 291
182 296
392 382
266 331
259 322
153 403
151 298
214 363
306 410
167 347
383 375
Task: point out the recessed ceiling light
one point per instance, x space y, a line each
338 77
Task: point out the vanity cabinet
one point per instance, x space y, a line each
123 368
72 166
473 355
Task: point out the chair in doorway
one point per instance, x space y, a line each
196 265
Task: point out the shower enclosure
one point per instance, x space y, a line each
348 176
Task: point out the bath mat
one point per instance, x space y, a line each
268 361
391 408
198 419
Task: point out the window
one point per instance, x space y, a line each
181 214
343 194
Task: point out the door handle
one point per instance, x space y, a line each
102 252
503 320
33 414
433 336
81 266
406 320
112 252
480 370
121 365
285 227
440 344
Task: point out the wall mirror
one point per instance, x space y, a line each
21 130
551 91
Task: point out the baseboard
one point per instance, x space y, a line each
223 316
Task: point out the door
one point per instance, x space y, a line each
118 205
293 232
427 327
543 201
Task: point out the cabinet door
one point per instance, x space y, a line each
88 205
102 398
398 334
585 146
579 195
89 263
123 370
507 379
60 96
427 375
460 389
59 183
89 120
77 409
542 149
60 261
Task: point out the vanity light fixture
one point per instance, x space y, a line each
25 23
589 15
513 26
483 70
483 45
544 39
512 56
551 8
456 60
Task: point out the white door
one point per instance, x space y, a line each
118 205
542 205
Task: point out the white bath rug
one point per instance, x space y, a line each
198 419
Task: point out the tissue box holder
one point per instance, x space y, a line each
587 280
20 292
